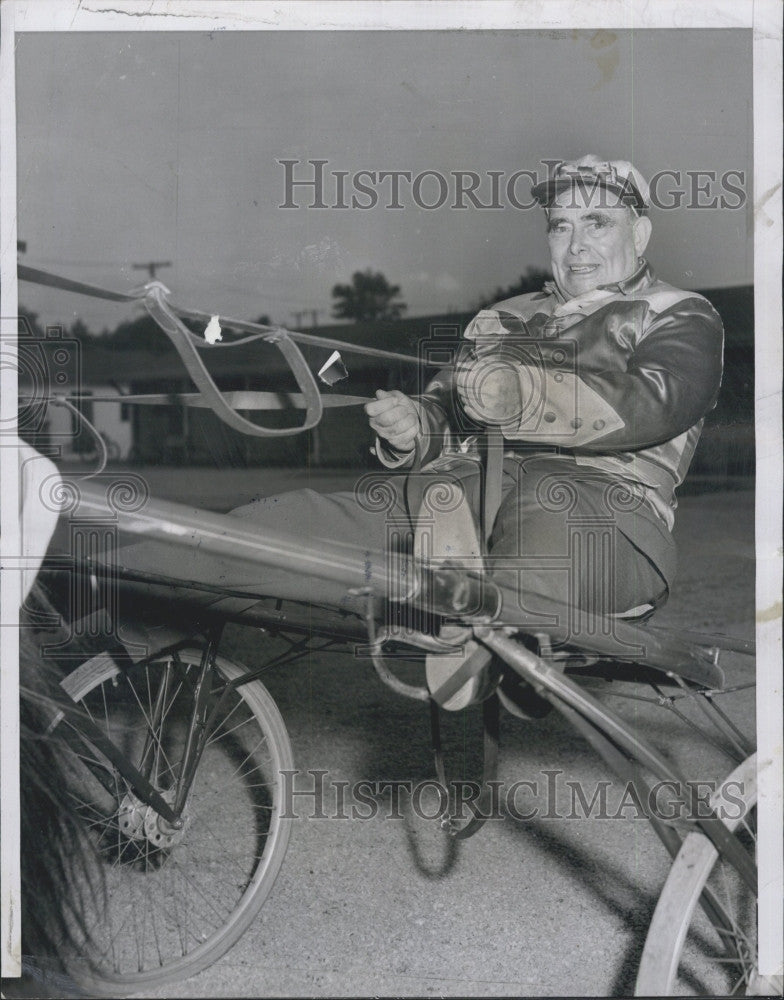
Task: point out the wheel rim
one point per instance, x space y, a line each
687 952
164 902
714 960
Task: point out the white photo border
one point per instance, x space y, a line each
763 16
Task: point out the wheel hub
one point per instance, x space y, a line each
159 831
131 816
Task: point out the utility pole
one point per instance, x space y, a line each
151 266
298 317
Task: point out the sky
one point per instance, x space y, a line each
167 146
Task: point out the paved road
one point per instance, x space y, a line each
547 906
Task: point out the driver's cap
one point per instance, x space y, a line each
593 174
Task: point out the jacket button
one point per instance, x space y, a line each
549 417
598 424
577 422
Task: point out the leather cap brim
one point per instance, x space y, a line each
547 191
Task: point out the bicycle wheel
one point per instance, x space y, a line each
171 902
687 953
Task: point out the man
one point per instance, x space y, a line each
590 396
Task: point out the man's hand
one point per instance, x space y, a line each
395 418
489 388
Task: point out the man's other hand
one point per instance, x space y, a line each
395 418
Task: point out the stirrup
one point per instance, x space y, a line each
464 677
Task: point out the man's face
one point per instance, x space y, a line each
593 240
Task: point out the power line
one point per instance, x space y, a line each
105 262
248 290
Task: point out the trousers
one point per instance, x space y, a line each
564 535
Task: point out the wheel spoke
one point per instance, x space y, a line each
175 898
155 736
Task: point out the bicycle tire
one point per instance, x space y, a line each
684 951
164 913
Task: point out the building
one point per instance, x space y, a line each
172 433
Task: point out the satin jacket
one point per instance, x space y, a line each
619 378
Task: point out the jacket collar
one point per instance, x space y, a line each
643 277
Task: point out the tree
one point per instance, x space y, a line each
79 331
531 281
29 324
368 297
141 334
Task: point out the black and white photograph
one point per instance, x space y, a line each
391 507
